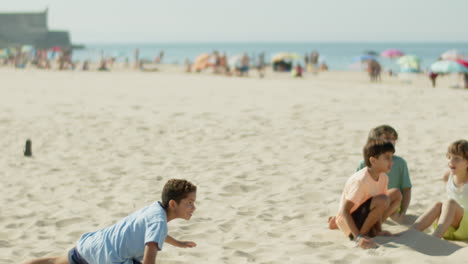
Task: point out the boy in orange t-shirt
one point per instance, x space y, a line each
366 202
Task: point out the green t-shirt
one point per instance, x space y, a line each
398 177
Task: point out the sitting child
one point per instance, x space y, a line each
366 202
453 218
398 177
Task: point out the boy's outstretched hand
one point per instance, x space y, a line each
186 244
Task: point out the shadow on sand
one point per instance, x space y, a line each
419 241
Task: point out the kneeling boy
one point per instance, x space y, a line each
366 202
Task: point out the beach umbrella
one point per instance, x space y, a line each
451 55
448 66
409 61
285 56
364 57
462 62
201 62
392 53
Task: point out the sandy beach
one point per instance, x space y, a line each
270 158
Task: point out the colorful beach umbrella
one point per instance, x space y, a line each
409 61
452 55
462 62
392 53
448 66
285 56
201 62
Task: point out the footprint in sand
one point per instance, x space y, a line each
67 222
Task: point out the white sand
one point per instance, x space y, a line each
270 158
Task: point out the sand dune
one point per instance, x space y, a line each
270 157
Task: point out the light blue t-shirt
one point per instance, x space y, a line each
125 240
398 177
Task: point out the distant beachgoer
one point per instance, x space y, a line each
261 65
298 71
103 65
245 63
137 58
188 66
452 214
314 60
323 66
465 77
85 65
223 63
307 62
433 77
138 237
374 70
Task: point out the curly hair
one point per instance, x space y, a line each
176 189
459 147
375 148
379 131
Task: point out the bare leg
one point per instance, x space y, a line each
379 205
451 215
49 260
426 219
332 223
395 202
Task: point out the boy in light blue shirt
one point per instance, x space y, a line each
138 237
398 177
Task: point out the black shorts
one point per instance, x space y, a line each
75 258
360 215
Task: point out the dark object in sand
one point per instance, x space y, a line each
28 149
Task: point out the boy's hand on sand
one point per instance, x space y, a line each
366 243
384 233
186 244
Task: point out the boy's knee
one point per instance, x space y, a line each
381 201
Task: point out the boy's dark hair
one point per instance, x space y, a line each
379 131
176 189
459 147
375 148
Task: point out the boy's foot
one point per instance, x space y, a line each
332 223
383 233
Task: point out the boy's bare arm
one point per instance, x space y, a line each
177 243
151 251
348 219
405 201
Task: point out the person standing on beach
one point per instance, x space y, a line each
314 60
137 238
465 77
261 64
137 58
452 214
366 202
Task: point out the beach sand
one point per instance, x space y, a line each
270 158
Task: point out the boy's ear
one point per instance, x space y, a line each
371 160
172 204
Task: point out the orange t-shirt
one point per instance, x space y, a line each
358 189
